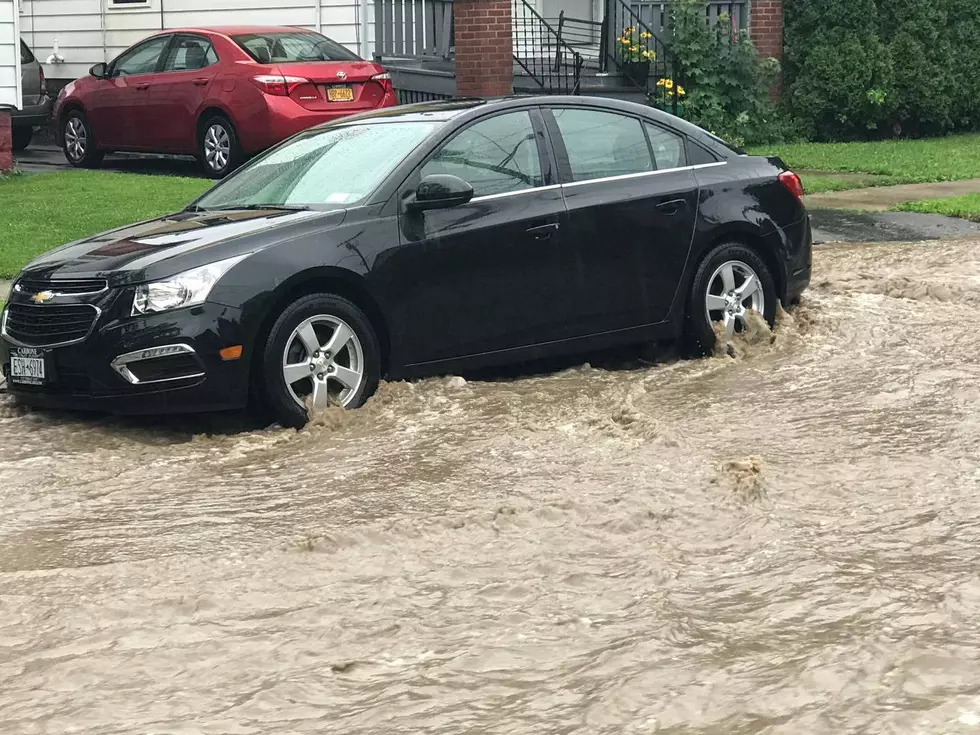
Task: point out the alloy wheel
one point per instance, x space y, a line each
323 361
734 289
76 139
217 147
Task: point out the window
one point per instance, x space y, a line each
496 156
142 59
668 148
26 57
699 155
189 53
292 46
603 144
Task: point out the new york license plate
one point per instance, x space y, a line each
340 94
28 366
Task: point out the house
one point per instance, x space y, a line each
10 97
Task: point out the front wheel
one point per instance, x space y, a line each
732 281
22 137
78 142
321 352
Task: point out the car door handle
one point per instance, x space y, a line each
142 87
672 207
201 82
543 232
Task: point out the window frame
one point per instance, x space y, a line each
561 152
175 44
543 144
164 55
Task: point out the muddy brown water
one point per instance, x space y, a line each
784 541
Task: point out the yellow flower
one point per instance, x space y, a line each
646 35
680 91
634 49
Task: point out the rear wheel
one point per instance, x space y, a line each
78 142
732 281
22 137
220 153
321 352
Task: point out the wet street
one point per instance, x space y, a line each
783 541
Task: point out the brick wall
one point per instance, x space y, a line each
484 48
766 27
6 144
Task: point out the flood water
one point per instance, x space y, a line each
784 541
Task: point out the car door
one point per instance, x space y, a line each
178 94
119 110
632 204
490 275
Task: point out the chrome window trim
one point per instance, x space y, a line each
53 285
605 179
121 364
17 343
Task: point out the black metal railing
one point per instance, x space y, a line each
553 64
585 36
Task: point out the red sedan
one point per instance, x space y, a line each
220 93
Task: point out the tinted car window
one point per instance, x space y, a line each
284 48
668 148
495 156
603 144
141 60
699 156
26 57
191 53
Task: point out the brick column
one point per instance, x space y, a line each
484 38
6 143
766 27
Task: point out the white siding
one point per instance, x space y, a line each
9 55
90 31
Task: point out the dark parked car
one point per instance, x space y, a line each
221 93
418 240
36 108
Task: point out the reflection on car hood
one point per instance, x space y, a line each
123 254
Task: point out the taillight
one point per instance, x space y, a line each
792 182
384 79
277 84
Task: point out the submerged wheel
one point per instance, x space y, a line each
321 352
732 281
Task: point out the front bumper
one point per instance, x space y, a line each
82 376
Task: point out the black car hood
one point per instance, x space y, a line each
174 243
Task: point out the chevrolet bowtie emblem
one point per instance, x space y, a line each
42 297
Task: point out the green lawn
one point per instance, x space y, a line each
966 207
896 161
42 211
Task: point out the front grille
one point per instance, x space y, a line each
62 287
172 367
49 326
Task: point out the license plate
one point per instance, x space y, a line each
340 94
28 366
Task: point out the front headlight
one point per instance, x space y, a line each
189 288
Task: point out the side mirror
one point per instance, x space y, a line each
441 191
100 70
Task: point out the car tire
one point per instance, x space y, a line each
21 137
219 151
285 354
78 142
722 278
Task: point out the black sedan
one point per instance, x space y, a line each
417 240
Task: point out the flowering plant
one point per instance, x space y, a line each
634 45
668 86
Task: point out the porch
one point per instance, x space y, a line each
559 46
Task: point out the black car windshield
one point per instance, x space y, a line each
292 46
337 166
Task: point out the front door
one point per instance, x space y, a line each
490 275
178 94
120 113
632 204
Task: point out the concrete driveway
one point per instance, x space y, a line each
44 157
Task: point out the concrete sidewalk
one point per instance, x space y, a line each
883 198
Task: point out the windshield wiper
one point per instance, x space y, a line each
253 207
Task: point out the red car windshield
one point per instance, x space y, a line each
291 47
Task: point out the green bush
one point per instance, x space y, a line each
726 83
